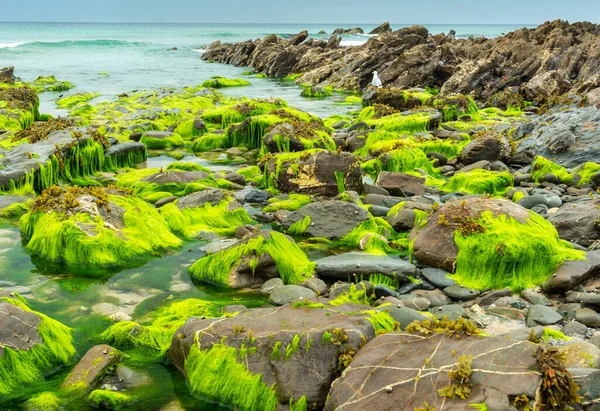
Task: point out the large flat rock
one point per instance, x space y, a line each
345 266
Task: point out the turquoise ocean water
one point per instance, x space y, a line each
136 57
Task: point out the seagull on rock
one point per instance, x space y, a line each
376 80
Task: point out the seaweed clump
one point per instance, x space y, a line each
216 375
291 262
557 388
451 328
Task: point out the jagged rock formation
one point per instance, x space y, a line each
551 59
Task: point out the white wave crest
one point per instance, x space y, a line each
11 45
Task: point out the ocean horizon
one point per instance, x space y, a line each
112 58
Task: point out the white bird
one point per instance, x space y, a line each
376 80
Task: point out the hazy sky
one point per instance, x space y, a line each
304 11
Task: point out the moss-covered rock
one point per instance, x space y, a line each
262 357
254 260
31 344
220 82
92 228
490 243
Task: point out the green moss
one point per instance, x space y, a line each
169 142
292 264
190 222
109 399
20 368
508 254
75 99
542 166
300 227
59 238
46 401
326 338
210 142
158 334
216 375
220 82
479 182
299 405
292 203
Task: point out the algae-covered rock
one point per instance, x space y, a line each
266 356
490 243
92 228
256 259
314 172
91 368
31 344
495 371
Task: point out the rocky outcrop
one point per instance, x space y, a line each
568 138
551 59
578 222
384 28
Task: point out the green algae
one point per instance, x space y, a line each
251 132
542 166
216 375
59 238
190 222
509 254
210 141
317 92
299 228
158 334
75 99
300 405
45 401
19 368
220 82
109 399
479 181
292 203
187 166
169 142
50 83
400 122
292 264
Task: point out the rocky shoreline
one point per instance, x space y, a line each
438 246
